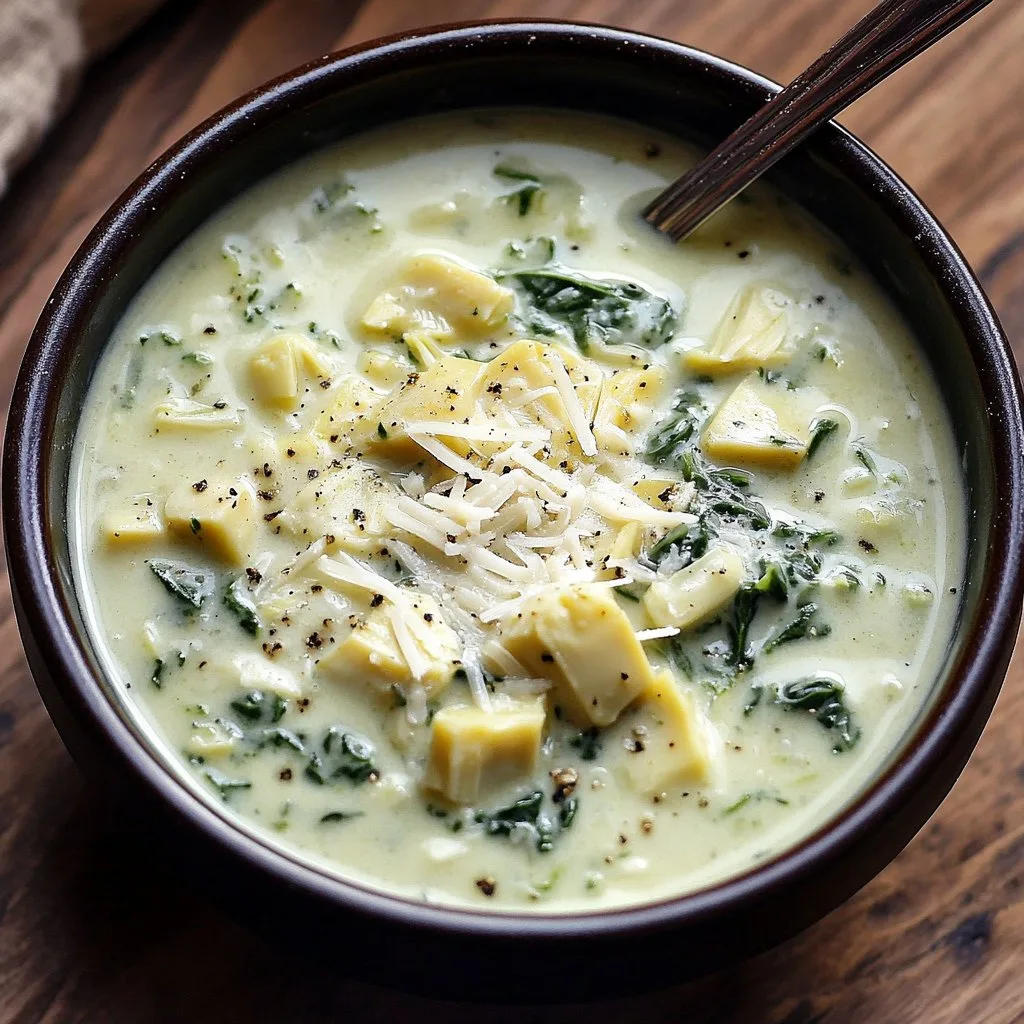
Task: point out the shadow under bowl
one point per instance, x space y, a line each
650 82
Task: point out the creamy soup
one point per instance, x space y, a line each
450 528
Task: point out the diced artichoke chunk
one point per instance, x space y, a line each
277 366
696 592
384 368
189 416
473 751
347 505
580 639
372 654
436 294
216 514
529 366
443 393
213 739
139 523
624 409
662 492
675 738
255 672
759 424
351 417
751 333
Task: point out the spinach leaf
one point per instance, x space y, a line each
333 816
527 811
536 251
346 755
132 378
158 673
803 627
522 198
678 427
257 706
188 584
690 543
773 582
824 698
560 301
755 796
239 600
224 784
820 430
742 612
587 743
278 737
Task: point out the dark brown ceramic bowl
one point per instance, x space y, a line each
526 957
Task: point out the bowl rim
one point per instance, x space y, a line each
44 611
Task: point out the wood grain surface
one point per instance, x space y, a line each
91 931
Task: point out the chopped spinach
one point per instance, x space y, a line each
258 706
587 743
820 430
161 334
536 251
866 459
527 812
821 696
528 189
156 678
756 796
239 600
278 737
188 584
132 378
741 615
688 542
224 784
675 429
346 755
333 816
327 197
773 582
803 627
560 301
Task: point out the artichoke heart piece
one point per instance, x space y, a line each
372 654
346 505
527 366
580 639
751 333
139 523
217 515
677 745
624 409
436 294
696 592
445 392
473 751
351 415
276 369
759 424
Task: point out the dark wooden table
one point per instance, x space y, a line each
91 930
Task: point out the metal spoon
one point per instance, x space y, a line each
885 39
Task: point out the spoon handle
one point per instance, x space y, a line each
885 39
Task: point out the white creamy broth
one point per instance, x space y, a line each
452 529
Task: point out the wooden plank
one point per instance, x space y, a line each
87 933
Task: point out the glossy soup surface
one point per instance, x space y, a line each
449 527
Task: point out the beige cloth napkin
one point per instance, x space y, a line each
43 45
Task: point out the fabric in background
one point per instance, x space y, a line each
43 46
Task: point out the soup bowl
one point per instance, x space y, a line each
389 938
